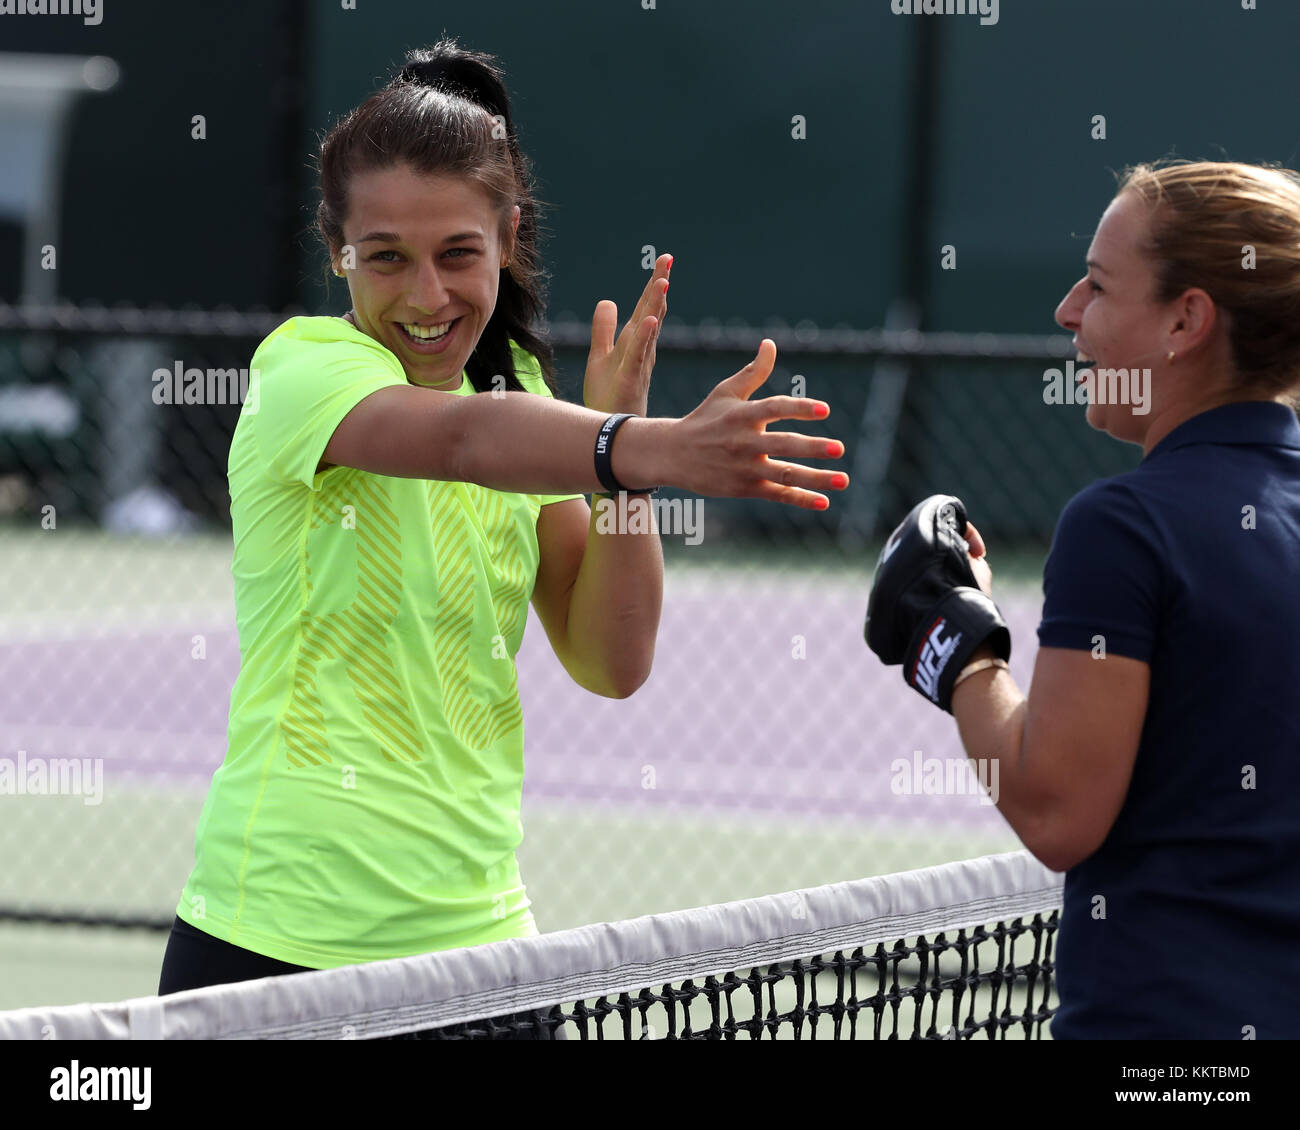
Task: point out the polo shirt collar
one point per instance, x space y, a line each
1245 422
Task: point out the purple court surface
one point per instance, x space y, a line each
763 700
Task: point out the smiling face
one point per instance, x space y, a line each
1112 312
428 263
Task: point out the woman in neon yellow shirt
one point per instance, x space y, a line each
402 484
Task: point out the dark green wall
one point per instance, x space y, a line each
150 215
1022 183
672 127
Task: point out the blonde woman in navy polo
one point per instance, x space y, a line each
1156 759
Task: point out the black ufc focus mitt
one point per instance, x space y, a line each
926 609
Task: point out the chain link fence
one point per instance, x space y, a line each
768 751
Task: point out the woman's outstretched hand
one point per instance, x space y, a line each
723 449
618 372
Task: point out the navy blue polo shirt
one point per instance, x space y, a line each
1190 563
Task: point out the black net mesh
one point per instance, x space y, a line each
991 982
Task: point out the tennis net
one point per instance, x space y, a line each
958 951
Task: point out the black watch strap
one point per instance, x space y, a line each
604 456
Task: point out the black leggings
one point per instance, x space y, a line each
195 960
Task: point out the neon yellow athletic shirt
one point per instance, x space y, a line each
368 805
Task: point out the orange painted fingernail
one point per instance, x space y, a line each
821 411
670 262
821 503
834 450
839 480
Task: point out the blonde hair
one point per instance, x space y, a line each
1205 218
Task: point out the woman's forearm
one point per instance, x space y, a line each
990 711
616 600
529 444
522 443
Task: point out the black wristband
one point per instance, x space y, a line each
604 456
